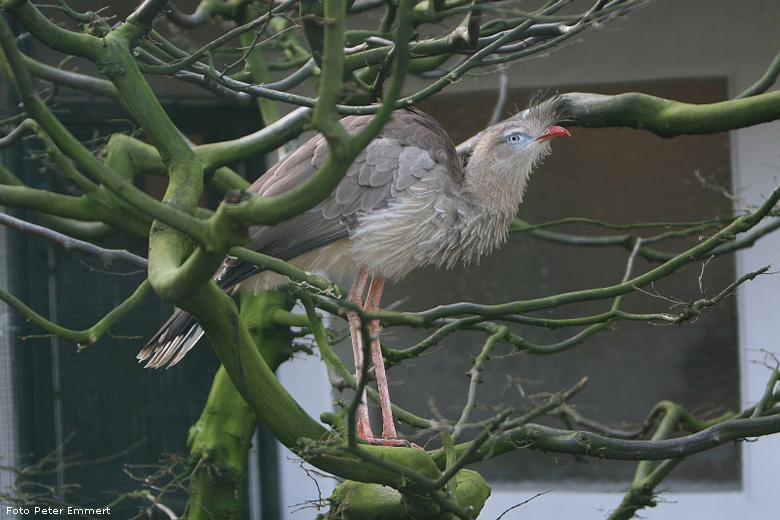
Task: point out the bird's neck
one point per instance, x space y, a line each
488 201
496 187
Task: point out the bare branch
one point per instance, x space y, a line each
766 81
107 256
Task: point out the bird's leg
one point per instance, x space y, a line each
356 334
389 435
372 304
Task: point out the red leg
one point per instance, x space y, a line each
372 304
389 435
355 332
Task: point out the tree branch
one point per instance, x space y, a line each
107 256
86 337
671 118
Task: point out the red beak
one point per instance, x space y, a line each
553 132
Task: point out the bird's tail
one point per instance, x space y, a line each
172 342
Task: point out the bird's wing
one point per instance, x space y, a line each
409 147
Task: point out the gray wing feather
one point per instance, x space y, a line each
409 148
286 240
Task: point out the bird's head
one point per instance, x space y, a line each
524 139
505 154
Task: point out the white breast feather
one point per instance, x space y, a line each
420 228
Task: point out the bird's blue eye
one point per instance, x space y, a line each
516 138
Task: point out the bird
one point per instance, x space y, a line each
408 200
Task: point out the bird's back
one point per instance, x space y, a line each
411 150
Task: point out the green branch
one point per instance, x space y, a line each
220 441
83 157
117 63
278 411
130 157
740 225
172 277
52 35
668 118
86 337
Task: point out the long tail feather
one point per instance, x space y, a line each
172 342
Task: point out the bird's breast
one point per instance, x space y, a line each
425 228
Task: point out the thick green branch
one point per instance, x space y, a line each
172 277
219 442
278 411
668 118
52 35
118 65
83 157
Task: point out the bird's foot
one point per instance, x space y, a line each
403 443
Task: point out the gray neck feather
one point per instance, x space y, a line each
496 175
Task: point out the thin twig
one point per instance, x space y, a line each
476 379
107 256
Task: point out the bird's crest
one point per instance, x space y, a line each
550 109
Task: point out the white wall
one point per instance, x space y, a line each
307 380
